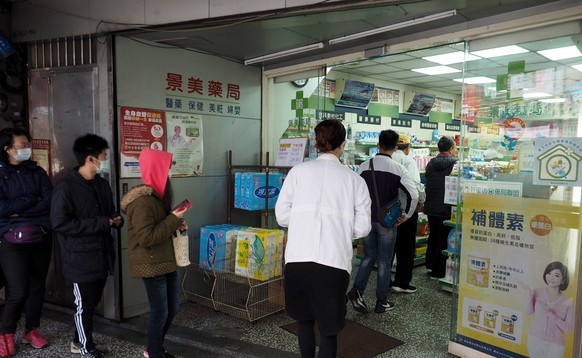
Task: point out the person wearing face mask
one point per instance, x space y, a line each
83 228
25 197
151 223
324 205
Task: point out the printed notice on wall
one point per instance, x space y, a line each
291 151
185 142
41 154
140 128
518 275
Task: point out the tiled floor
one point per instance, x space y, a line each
421 320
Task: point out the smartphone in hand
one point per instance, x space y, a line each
183 205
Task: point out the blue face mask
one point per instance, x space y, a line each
104 168
22 154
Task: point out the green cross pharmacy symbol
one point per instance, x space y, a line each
299 103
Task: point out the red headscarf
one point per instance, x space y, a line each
154 166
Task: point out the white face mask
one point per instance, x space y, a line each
104 168
22 154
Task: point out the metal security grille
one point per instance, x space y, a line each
69 51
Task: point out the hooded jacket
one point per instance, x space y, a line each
436 170
149 232
80 213
25 190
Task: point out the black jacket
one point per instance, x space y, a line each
25 196
80 213
436 170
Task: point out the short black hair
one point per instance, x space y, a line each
7 140
89 145
557 265
388 139
445 144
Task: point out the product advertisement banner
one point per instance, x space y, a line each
518 276
185 142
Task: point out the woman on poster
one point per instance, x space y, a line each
553 313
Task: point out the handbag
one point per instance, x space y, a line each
181 245
25 234
388 214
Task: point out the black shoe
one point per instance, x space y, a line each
404 288
382 307
357 300
94 353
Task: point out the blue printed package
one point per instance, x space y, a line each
453 241
237 186
253 190
217 247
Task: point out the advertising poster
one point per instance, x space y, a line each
291 151
518 276
558 161
41 154
185 142
140 128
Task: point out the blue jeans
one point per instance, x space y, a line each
378 245
164 302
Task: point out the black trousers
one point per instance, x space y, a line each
436 243
405 251
87 296
25 268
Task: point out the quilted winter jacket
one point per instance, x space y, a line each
436 170
149 232
26 191
80 213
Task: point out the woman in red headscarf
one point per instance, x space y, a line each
151 254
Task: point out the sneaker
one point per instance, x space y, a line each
166 354
355 296
382 307
75 347
404 289
94 353
7 347
35 339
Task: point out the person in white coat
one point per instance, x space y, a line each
324 205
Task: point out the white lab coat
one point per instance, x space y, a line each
324 204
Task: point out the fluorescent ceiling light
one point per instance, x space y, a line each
553 100
500 51
400 25
284 53
436 70
577 67
450 58
536 95
561 53
474 80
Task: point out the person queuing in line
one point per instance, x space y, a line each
435 208
390 176
324 205
82 215
405 249
25 198
151 224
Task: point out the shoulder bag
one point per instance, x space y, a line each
388 214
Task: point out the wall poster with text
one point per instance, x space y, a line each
518 276
140 128
185 142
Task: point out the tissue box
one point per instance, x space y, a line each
217 247
252 190
259 253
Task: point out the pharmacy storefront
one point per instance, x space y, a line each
513 104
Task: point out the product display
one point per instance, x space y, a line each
259 253
217 246
250 190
